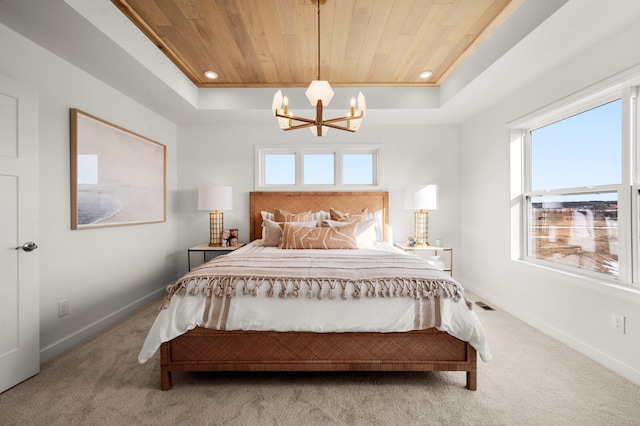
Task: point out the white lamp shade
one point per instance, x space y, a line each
355 124
284 123
277 102
362 105
423 197
215 197
319 89
426 198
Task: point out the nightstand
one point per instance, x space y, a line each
435 250
213 251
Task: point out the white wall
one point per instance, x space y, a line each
104 273
571 309
223 153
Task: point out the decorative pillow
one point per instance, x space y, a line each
283 216
357 216
377 216
299 237
320 216
272 231
366 235
334 223
267 215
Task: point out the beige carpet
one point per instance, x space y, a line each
533 380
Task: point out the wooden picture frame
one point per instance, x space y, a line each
117 177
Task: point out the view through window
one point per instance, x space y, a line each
353 166
575 176
280 169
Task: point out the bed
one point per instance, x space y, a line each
207 349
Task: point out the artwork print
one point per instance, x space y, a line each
117 177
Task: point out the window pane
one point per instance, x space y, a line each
280 169
576 230
357 169
583 150
318 169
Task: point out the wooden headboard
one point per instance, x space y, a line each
296 202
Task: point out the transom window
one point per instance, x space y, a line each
351 166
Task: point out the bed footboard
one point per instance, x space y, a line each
211 350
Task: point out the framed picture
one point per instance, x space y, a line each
230 237
117 177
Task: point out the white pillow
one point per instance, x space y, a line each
267 215
378 227
320 216
366 235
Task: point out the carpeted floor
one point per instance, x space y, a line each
533 380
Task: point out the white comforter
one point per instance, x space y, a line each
377 314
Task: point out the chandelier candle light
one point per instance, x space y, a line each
319 94
215 198
425 198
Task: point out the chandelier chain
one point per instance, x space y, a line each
319 94
318 2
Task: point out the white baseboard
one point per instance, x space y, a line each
600 357
92 329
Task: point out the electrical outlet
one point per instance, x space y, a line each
617 322
63 308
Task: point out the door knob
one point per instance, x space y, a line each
28 247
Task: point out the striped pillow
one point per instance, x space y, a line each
283 216
300 237
358 216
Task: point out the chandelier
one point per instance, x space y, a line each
319 94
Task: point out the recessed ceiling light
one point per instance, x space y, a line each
211 75
425 74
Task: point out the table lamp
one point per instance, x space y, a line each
215 198
424 198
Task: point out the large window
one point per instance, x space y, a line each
323 167
575 176
576 162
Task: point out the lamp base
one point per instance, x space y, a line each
421 228
216 225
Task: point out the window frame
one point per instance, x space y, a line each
301 150
628 211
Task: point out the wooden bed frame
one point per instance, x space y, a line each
213 350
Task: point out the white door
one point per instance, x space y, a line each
19 277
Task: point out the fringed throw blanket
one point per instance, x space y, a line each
253 270
318 274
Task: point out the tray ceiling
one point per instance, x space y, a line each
273 43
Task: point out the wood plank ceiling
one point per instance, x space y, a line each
273 43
